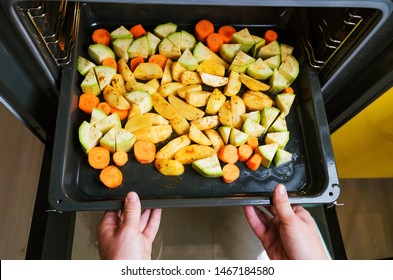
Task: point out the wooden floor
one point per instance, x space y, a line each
210 233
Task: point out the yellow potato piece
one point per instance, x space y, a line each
162 107
169 88
256 100
211 67
171 148
206 122
234 84
186 110
193 152
182 91
169 167
147 71
238 109
215 138
253 84
138 122
115 99
119 84
155 134
215 101
213 80
180 124
190 78
198 137
125 71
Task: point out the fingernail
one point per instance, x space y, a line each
281 189
131 196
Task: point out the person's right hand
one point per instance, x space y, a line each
290 233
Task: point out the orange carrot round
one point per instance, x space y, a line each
245 151
158 59
123 114
120 158
109 61
111 176
230 172
98 157
135 61
270 36
203 29
288 90
104 107
254 162
101 36
253 142
226 32
88 101
228 154
214 41
144 151
138 31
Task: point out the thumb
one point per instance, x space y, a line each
132 210
281 203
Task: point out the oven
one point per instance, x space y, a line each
344 49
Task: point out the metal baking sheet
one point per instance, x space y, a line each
310 177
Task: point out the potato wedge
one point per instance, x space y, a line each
162 107
198 137
186 110
169 167
215 101
125 71
211 67
171 148
256 100
169 88
234 84
115 99
238 110
134 110
180 124
154 83
155 134
157 119
213 80
215 138
167 74
182 91
138 122
206 122
197 98
253 84
118 84
133 86
177 70
193 152
190 78
225 114
147 71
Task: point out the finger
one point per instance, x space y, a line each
144 219
132 210
302 213
152 225
281 203
109 222
257 220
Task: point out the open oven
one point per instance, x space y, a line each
344 49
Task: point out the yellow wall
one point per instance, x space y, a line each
363 147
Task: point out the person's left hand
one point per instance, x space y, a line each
128 234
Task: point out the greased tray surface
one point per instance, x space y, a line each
310 177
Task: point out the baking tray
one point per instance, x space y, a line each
310 177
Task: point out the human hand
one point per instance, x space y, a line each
128 234
290 233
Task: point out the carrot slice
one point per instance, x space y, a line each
226 32
254 162
111 176
270 36
138 31
109 61
158 59
123 114
98 157
88 101
104 107
288 90
245 151
144 151
228 154
120 158
101 36
253 142
135 61
203 29
230 172
214 41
